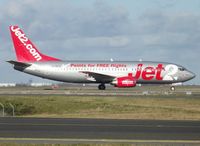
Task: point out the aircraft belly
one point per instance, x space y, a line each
73 77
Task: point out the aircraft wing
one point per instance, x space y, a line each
97 77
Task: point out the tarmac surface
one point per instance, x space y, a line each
62 131
93 91
55 130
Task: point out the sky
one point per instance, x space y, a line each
151 30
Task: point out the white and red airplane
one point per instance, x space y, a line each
117 73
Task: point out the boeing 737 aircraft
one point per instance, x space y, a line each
118 73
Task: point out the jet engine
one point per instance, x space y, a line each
126 81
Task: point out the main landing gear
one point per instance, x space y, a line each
102 87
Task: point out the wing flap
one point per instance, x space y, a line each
97 77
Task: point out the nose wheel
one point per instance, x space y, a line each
172 88
102 87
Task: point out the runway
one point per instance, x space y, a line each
92 91
98 130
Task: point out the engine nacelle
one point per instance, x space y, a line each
127 81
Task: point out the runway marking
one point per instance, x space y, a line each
98 125
98 140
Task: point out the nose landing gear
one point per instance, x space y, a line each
172 88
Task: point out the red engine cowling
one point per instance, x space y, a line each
127 81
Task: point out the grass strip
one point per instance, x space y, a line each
169 107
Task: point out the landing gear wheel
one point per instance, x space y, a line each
102 87
172 88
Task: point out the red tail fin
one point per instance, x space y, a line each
25 49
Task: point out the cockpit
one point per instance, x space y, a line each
182 68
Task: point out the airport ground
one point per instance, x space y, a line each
164 113
148 102
99 131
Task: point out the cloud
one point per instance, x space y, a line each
169 30
165 4
102 31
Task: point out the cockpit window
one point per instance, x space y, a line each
181 68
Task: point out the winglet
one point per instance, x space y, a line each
25 49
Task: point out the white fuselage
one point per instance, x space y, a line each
106 72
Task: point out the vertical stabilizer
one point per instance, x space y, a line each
25 49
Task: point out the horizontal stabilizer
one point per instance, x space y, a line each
19 64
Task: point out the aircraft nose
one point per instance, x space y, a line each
191 75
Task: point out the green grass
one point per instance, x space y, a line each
11 144
181 107
82 144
